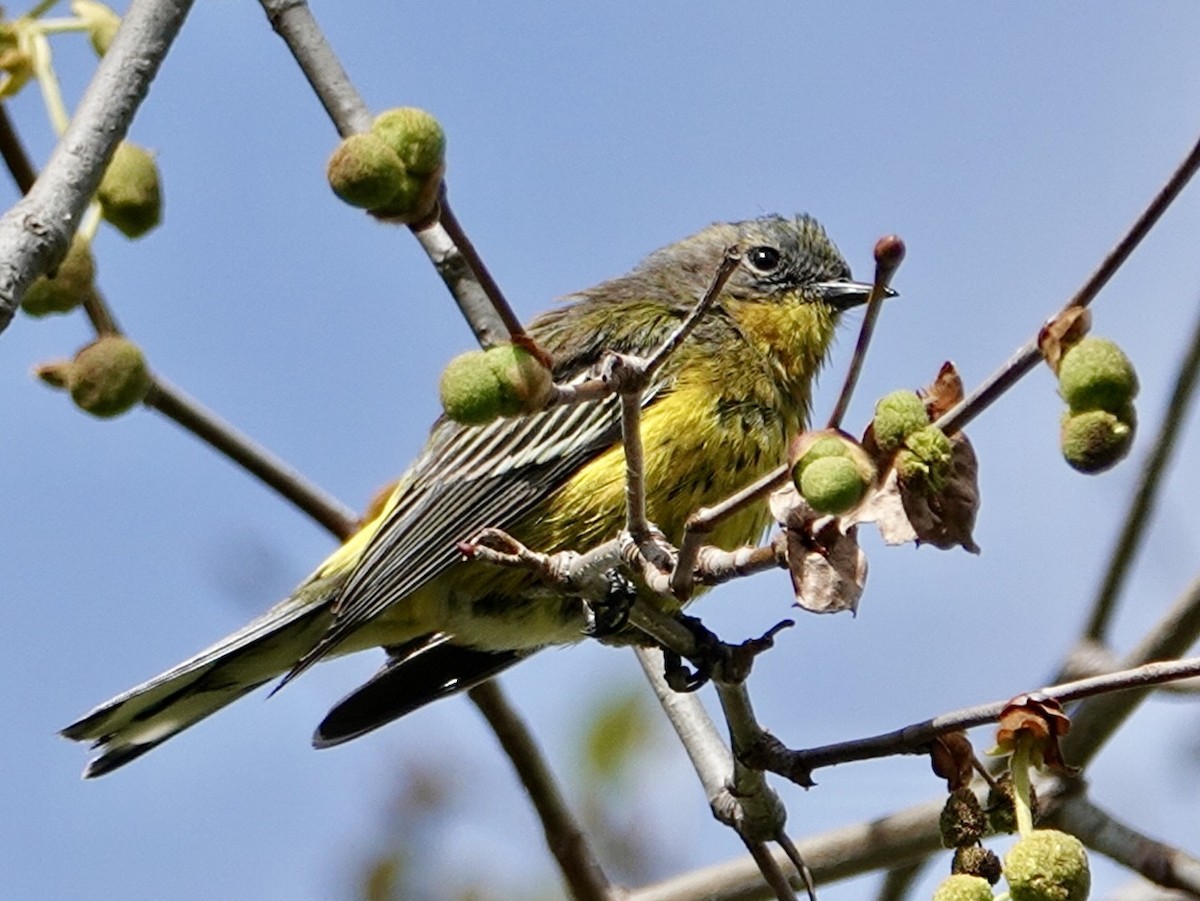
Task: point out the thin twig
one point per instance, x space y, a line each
729 262
14 155
771 870
1133 530
1096 720
211 429
885 268
37 230
564 836
1028 356
914 738
461 269
294 22
635 467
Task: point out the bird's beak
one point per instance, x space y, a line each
843 294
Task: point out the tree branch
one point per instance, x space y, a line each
36 232
564 836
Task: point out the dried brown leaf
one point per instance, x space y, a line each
827 567
1061 332
945 392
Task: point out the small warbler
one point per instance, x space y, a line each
717 415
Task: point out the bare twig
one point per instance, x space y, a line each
442 238
38 229
1096 720
1028 356
14 155
1133 530
564 836
914 739
256 460
885 267
294 22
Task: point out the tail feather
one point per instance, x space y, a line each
417 673
142 718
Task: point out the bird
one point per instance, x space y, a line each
719 413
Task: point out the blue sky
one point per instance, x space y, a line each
1010 145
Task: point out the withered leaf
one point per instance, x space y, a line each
945 392
827 567
1061 332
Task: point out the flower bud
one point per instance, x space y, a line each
129 193
924 462
365 172
976 860
415 136
108 376
1095 374
960 887
526 384
1047 865
481 385
1096 440
897 416
102 23
962 821
832 485
67 288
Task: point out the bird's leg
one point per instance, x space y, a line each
711 652
610 614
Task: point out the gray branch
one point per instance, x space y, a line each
35 233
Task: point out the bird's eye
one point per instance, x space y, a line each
764 259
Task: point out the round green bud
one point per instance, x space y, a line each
414 200
924 462
897 416
129 194
1096 440
416 137
470 390
102 23
961 887
832 485
108 376
962 821
70 286
365 172
825 446
525 383
1047 865
1095 374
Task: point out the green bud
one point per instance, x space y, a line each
924 462
525 383
416 137
129 193
832 485
1047 865
70 286
108 376
962 821
897 416
1095 374
365 172
469 389
414 200
481 385
102 23
1096 440
963 888
976 860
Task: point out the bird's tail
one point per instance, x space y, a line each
142 718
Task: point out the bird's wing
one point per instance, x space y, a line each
467 479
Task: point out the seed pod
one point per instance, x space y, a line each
129 194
